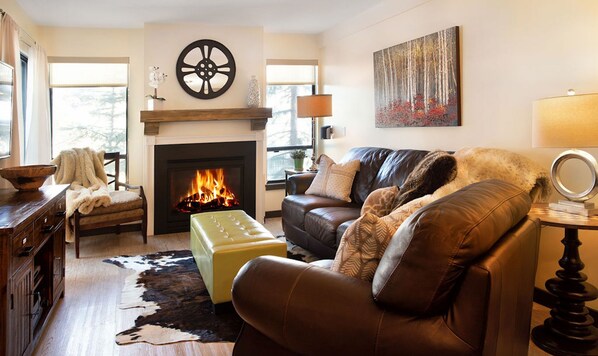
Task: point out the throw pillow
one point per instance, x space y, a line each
381 201
333 180
364 242
436 169
361 247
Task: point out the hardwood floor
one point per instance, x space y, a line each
87 319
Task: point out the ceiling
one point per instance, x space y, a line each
291 16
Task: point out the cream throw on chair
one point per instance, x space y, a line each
83 168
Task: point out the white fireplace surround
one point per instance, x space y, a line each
148 166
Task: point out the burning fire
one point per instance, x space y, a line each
207 191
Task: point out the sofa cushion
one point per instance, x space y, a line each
322 223
294 207
436 169
371 159
396 168
365 241
427 255
381 201
334 180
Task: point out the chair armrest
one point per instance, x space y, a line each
129 186
298 183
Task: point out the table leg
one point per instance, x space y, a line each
569 330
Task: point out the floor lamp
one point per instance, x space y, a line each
568 121
314 106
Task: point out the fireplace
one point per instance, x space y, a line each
202 177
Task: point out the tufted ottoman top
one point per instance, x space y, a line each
231 227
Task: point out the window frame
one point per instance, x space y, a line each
122 60
280 183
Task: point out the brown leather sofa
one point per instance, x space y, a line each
318 223
462 285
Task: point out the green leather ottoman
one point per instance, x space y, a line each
222 242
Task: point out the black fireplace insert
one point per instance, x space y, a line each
202 177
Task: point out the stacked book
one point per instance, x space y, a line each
574 207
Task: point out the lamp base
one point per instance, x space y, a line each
555 176
567 207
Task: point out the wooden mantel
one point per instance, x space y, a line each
152 119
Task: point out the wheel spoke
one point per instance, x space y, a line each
210 48
227 73
187 65
210 90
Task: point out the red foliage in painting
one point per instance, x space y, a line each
414 114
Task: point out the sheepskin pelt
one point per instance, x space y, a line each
478 164
83 168
80 166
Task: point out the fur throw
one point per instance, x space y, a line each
83 168
477 164
80 166
436 169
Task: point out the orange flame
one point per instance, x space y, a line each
208 187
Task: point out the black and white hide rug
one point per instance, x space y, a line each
173 302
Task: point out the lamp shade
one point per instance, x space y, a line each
565 121
314 105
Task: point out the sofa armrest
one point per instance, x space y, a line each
280 297
304 309
298 183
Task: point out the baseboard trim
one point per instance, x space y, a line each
273 214
548 300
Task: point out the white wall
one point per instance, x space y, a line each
512 53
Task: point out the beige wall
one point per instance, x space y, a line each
82 42
287 46
512 52
160 45
14 10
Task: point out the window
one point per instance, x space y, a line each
89 105
285 132
24 62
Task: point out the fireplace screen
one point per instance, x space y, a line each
208 189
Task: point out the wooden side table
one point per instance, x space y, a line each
569 330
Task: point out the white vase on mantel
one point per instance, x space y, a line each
155 104
253 94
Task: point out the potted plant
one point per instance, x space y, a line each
298 156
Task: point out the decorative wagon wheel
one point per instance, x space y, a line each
205 69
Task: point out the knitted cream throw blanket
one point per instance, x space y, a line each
83 168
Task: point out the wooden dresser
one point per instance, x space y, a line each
31 264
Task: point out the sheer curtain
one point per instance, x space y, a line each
37 118
9 53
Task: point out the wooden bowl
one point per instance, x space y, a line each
28 177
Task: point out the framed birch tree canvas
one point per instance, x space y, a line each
417 82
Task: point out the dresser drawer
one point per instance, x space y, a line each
22 248
43 226
59 211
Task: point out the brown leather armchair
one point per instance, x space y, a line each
456 279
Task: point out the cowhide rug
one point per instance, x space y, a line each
173 301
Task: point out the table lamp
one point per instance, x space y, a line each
569 121
314 106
